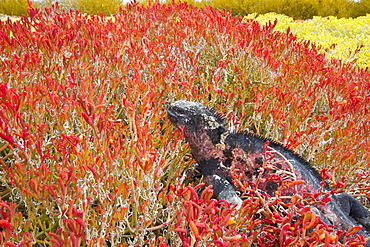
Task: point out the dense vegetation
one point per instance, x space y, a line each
89 158
345 39
302 9
298 10
19 7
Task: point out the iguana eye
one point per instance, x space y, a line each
180 110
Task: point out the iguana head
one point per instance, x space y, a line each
202 127
188 114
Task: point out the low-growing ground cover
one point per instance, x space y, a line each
345 39
89 158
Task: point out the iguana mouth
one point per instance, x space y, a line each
172 116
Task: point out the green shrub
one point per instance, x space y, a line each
13 7
298 9
363 7
106 7
19 7
42 4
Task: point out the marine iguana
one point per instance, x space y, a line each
217 150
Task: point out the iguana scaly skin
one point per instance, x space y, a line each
217 150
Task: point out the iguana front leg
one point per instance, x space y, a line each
354 208
223 190
219 177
